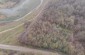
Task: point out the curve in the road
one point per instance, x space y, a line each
25 49
31 11
18 12
22 18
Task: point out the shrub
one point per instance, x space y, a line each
54 28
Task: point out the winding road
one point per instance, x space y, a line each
19 11
23 18
24 49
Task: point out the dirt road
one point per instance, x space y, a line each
27 50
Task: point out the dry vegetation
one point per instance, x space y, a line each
60 27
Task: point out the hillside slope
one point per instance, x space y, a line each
54 28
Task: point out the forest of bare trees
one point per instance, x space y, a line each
60 27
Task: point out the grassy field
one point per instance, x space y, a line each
13 24
10 37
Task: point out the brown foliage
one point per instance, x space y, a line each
55 27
